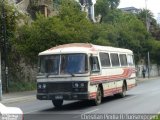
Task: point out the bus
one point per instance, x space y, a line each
84 71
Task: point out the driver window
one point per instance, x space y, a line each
94 64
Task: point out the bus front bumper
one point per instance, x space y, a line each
62 96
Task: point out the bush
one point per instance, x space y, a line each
156 117
21 86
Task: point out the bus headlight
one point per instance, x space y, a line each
39 86
82 85
44 86
79 85
76 85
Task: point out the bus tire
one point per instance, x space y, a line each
98 98
57 103
124 90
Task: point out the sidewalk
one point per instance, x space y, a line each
18 96
145 79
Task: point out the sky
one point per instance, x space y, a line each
153 5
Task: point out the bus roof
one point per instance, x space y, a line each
82 48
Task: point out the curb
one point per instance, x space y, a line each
146 79
18 99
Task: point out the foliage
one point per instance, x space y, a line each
113 3
125 30
145 13
156 117
154 48
146 16
21 86
116 28
11 17
101 7
104 7
71 25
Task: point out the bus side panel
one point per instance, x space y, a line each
109 88
119 85
131 81
92 90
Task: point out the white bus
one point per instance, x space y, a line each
83 71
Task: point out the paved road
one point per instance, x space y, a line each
143 99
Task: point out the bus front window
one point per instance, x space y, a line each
49 64
74 64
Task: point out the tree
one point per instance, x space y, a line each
153 46
101 8
71 25
145 13
11 18
105 8
113 3
147 17
125 30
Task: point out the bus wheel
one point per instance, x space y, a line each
123 93
57 103
98 98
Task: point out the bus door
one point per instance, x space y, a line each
94 65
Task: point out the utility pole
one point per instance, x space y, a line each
148 65
147 21
5 44
147 26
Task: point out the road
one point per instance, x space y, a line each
143 99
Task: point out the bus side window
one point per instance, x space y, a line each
94 64
130 60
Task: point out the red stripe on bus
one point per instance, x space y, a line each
111 91
112 76
127 73
131 86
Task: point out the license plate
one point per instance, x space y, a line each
58 97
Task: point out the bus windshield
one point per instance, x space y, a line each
49 64
73 64
63 64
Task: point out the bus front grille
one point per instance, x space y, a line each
60 87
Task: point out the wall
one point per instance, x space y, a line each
22 6
154 70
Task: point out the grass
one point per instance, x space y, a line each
21 86
156 117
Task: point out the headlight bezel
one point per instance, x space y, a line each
79 85
41 85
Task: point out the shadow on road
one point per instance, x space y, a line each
80 105
67 111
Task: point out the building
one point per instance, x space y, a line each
88 6
131 10
46 6
158 18
21 5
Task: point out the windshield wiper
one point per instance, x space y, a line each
47 74
72 74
